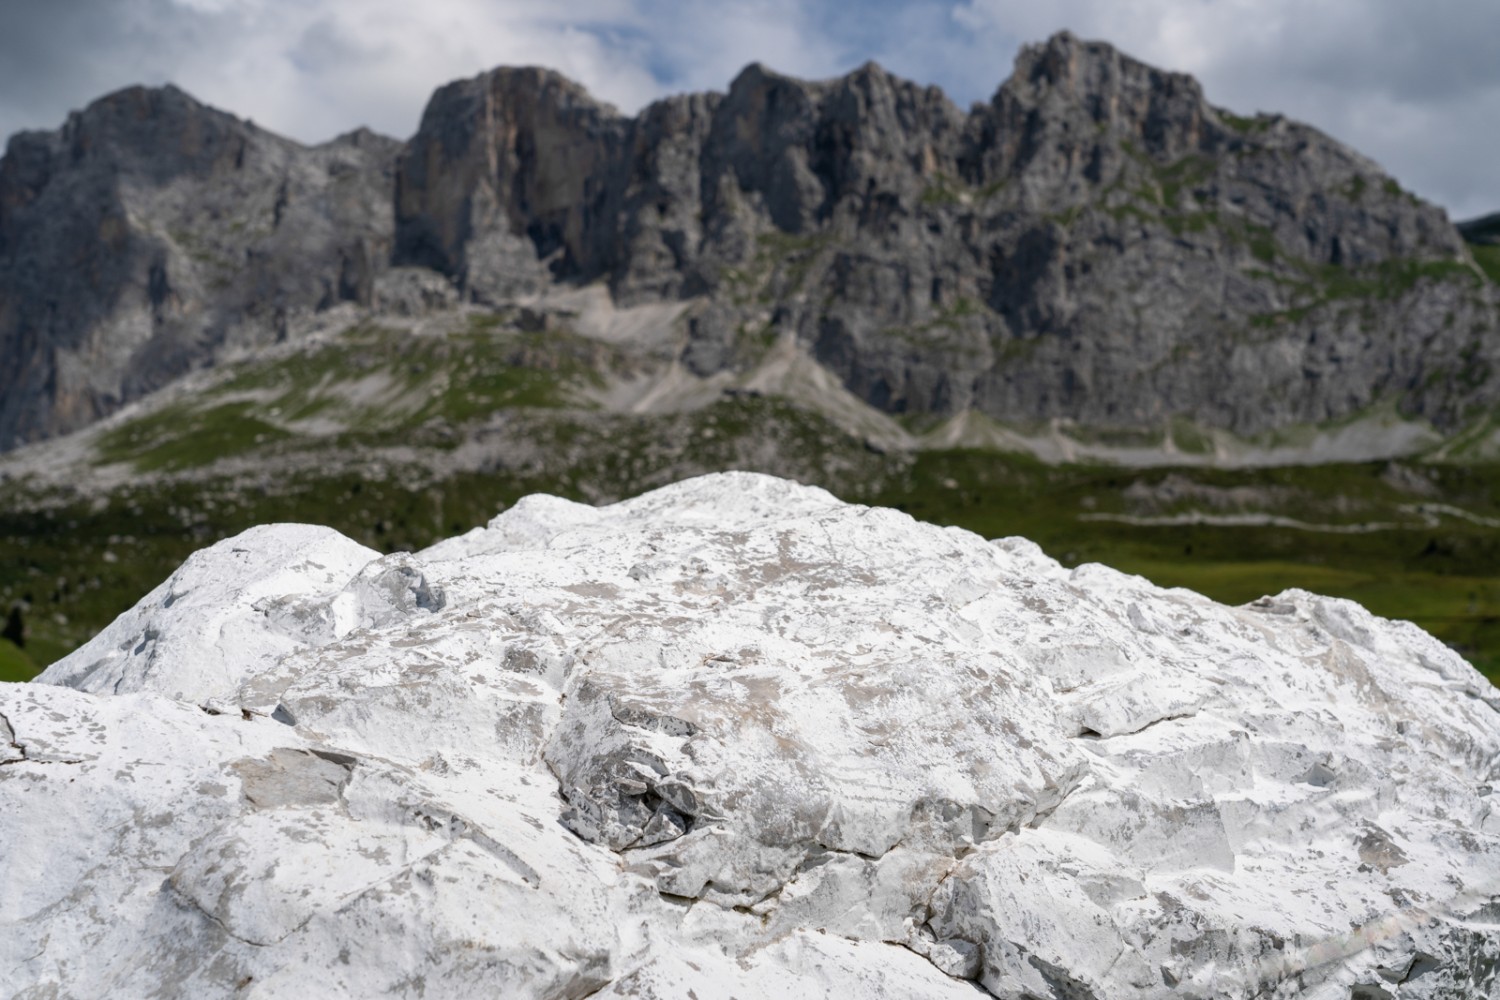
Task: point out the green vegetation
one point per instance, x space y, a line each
78 563
185 437
948 190
1156 196
1243 124
391 385
15 665
942 191
1395 190
777 270
1322 284
1487 256
1185 173
325 430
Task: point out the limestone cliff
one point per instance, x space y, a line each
1097 243
150 234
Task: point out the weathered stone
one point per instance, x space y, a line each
818 750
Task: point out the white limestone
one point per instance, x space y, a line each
736 738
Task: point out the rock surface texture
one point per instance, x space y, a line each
737 738
1097 243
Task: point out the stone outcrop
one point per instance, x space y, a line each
151 234
1097 243
735 737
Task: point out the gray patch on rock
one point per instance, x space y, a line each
293 778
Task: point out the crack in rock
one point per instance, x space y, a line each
15 751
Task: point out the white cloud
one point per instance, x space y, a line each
707 44
1414 86
314 69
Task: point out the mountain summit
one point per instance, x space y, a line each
1097 243
150 235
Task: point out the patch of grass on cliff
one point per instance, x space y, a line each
458 377
1180 223
945 190
941 192
1243 124
184 437
1487 256
369 385
789 257
1186 173
481 375
1322 284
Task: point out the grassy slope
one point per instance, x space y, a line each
1439 576
79 562
15 665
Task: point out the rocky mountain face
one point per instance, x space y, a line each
151 234
1096 244
735 737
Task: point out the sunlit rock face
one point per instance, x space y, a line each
737 738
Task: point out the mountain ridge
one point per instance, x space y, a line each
1097 243
150 233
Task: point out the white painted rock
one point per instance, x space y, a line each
736 738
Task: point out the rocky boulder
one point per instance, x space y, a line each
737 737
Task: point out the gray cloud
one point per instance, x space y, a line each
50 52
1415 86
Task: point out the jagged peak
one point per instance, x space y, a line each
146 101
1079 68
538 83
758 74
867 79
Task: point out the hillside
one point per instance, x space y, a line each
1097 311
399 435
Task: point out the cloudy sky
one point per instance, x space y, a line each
1414 85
